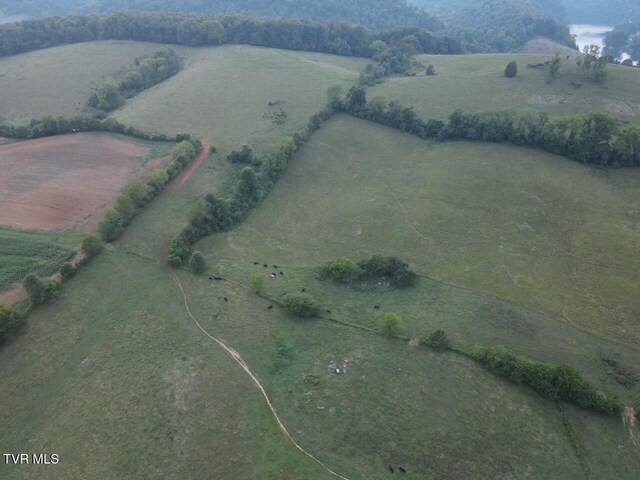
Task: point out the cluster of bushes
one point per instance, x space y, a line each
10 322
244 155
214 215
391 60
197 30
379 266
438 340
556 382
148 71
593 138
301 305
138 193
47 126
41 290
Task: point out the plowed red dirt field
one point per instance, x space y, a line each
65 181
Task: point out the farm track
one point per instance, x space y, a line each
240 361
193 165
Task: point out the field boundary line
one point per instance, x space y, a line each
240 361
192 166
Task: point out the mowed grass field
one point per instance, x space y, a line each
235 94
533 228
23 252
476 83
58 81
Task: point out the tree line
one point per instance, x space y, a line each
148 71
199 30
137 194
214 215
47 126
593 138
482 25
555 382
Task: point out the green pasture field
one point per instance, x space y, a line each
514 246
476 83
23 252
235 94
545 232
58 81
132 388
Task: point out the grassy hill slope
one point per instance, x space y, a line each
58 81
476 83
535 228
240 94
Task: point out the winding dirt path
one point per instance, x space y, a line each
240 361
193 165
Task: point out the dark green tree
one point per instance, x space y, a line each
91 246
198 263
301 305
511 70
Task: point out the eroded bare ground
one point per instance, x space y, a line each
60 182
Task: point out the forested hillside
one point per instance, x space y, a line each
625 38
198 30
485 25
501 25
608 12
378 14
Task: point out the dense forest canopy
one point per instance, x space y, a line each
197 30
460 12
482 25
624 38
377 14
501 25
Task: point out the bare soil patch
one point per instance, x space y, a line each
193 165
61 182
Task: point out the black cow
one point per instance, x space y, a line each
328 311
281 273
269 307
275 266
402 469
377 307
391 469
265 265
226 299
303 290
217 278
256 263
210 278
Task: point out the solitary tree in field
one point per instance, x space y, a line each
593 64
554 66
391 324
257 283
512 70
197 263
431 70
